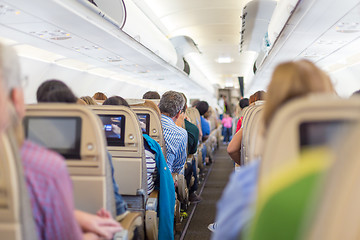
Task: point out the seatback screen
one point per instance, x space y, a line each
114 127
144 120
320 133
60 134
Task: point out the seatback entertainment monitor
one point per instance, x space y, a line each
60 134
144 120
114 127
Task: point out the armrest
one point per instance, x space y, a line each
130 222
131 219
152 201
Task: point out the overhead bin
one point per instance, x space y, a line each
310 32
255 21
74 30
135 23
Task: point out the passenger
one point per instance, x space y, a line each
151 95
116 100
252 99
157 172
54 89
203 107
100 96
290 80
171 105
221 104
259 96
193 141
57 91
88 100
227 123
243 103
47 179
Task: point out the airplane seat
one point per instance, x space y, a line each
16 218
245 126
194 117
149 109
303 123
80 139
125 144
336 214
251 144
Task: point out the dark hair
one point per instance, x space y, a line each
99 96
356 93
116 100
243 103
202 107
151 95
55 91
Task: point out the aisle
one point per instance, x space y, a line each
216 181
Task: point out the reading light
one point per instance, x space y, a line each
226 59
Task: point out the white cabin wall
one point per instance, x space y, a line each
82 83
346 81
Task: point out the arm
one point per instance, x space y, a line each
234 146
103 226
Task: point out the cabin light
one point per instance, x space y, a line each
225 59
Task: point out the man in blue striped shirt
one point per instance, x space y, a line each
171 105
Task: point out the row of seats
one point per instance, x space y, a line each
80 138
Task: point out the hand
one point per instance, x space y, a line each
104 213
102 226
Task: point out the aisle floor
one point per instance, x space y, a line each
204 214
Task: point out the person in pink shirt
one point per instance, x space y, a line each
227 123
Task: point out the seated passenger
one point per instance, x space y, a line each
99 97
243 103
193 141
89 100
57 91
296 80
171 105
151 95
157 172
203 107
47 178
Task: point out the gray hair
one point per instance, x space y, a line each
9 68
171 103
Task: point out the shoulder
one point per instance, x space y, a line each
42 161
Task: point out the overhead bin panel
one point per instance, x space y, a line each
313 31
72 30
255 21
